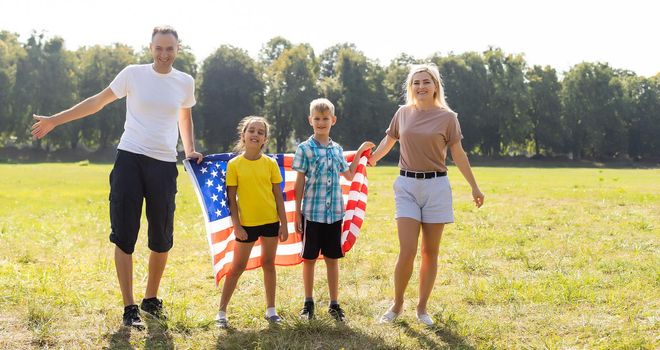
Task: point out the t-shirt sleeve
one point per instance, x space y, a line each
393 129
275 175
119 85
453 130
190 94
232 175
300 162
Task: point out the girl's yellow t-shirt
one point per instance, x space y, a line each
254 180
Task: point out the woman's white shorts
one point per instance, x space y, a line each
425 200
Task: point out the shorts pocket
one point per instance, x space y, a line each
397 184
116 212
169 219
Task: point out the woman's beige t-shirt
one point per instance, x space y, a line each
424 137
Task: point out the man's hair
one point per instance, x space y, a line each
164 30
321 105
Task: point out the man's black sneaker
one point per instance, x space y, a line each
307 312
336 312
132 317
154 307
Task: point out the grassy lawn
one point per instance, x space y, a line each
557 258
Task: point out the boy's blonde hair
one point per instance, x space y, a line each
432 70
321 105
239 146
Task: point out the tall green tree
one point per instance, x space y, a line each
11 51
508 124
273 49
329 57
292 85
642 114
395 77
352 106
591 96
466 86
363 108
230 89
545 109
45 84
98 67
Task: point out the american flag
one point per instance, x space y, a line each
208 179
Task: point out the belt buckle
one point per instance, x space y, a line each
419 175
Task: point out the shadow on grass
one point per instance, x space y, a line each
448 337
297 334
121 339
158 335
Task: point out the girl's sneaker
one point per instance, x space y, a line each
221 321
274 319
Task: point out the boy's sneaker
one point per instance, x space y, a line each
132 317
153 307
307 312
337 313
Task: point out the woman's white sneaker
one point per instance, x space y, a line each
388 317
425 319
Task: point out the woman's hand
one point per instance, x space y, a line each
478 197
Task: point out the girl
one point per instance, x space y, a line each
257 211
425 127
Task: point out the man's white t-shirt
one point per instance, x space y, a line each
153 102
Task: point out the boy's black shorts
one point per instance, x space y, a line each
321 237
254 232
134 178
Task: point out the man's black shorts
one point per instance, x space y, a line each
321 237
254 232
134 178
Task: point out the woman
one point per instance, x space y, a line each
425 127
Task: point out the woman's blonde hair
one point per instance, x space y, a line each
239 146
432 70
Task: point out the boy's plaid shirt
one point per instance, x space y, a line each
322 166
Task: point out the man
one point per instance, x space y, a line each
158 97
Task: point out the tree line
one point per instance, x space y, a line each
505 107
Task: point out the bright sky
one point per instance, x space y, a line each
560 33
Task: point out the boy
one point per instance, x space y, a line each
319 203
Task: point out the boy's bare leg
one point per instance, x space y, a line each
332 267
308 277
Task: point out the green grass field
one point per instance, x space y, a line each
556 258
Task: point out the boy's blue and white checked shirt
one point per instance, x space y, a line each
322 166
